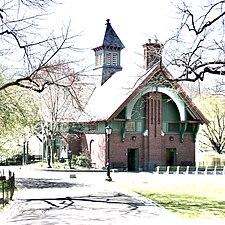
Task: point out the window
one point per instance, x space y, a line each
130 126
173 127
98 60
115 59
108 58
112 58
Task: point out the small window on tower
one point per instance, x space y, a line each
100 59
96 60
108 58
115 59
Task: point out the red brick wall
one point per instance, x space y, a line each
75 143
185 150
119 149
96 146
157 153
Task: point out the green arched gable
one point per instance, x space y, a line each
165 90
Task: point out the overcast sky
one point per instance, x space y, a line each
133 21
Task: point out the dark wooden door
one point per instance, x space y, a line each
171 157
133 159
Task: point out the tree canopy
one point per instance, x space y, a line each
18 115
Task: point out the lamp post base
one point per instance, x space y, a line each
108 178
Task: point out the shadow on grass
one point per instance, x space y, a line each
188 206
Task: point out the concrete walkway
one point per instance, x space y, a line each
53 198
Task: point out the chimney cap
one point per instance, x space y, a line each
154 43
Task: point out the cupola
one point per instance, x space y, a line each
107 56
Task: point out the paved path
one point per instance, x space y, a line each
53 198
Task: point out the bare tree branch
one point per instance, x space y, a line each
22 39
197 48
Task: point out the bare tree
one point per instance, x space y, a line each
217 88
215 132
197 48
60 104
213 135
25 47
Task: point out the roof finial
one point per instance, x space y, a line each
108 21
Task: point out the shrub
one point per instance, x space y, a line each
82 160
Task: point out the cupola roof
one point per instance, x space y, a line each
111 39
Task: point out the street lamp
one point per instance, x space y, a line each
108 131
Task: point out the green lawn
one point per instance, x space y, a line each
188 196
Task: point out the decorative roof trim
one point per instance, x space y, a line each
106 48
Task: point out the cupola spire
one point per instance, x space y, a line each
111 39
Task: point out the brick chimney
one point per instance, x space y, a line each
152 53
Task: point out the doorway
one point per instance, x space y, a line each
171 156
132 159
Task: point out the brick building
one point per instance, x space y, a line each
153 120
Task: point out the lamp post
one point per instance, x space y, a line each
49 146
108 131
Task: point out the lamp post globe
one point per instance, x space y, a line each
108 131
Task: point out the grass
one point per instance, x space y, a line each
195 197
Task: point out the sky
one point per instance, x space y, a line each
133 21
